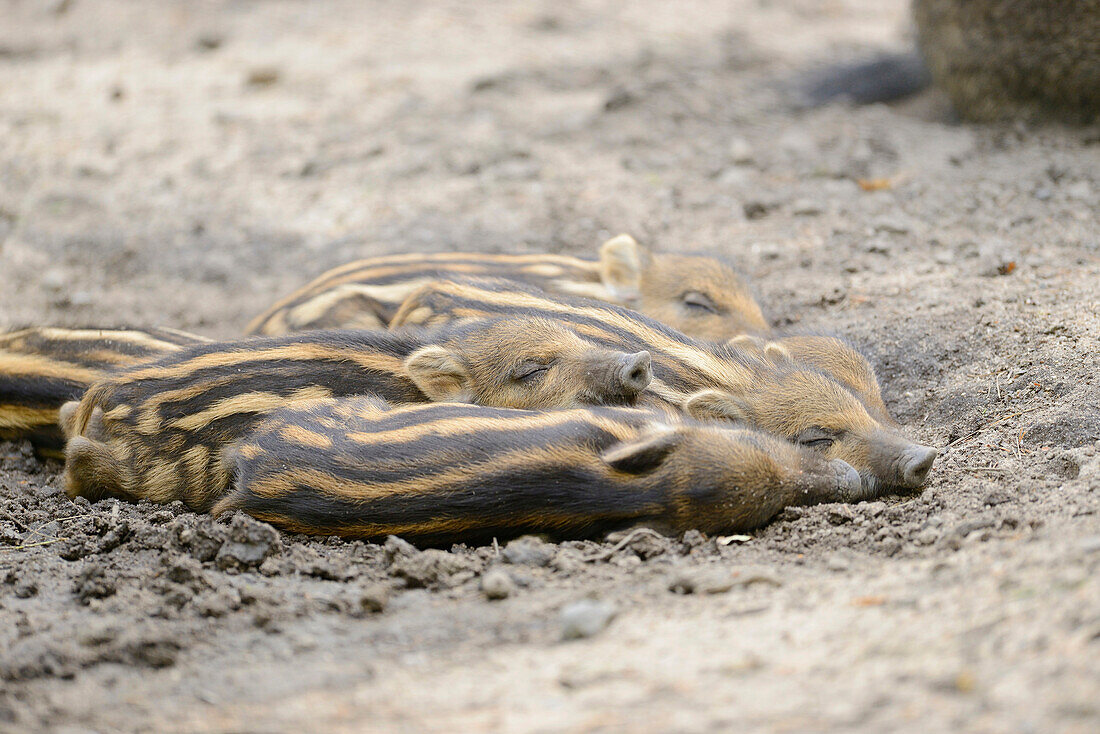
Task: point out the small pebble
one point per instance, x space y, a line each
373 598
497 584
806 208
701 581
741 151
1079 190
791 514
892 225
397 548
1091 545
585 618
528 551
263 76
840 514
928 536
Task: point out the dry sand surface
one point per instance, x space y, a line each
184 163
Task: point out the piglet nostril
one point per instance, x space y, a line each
636 372
918 465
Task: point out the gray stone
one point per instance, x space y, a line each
585 618
250 542
806 208
741 151
840 514
497 584
434 567
528 551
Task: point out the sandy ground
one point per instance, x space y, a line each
184 163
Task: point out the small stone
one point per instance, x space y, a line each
757 209
1079 190
1082 462
250 542
837 563
879 246
1042 193
790 514
701 581
25 589
53 279
373 598
209 42
734 176
528 551
766 250
220 603
585 618
997 496
203 539
185 570
619 98
959 533
262 76
797 143
741 151
497 584
567 563
840 514
693 539
892 225
434 567
397 548
806 208
873 509
92 583
927 536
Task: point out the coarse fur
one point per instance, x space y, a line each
448 473
760 386
156 432
698 295
830 354
42 368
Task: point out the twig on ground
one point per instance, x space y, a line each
626 540
24 546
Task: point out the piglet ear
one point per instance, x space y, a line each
622 261
67 416
438 374
642 455
746 342
777 353
717 405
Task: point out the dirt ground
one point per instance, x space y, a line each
185 163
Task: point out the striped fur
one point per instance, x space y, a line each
831 355
157 431
707 380
448 473
43 368
697 294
